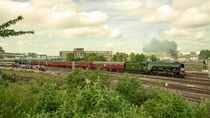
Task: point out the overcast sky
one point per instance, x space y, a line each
116 25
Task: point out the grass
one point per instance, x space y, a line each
86 93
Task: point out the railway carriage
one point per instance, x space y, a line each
110 66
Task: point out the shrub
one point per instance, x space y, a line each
48 101
80 77
168 105
202 110
96 101
132 90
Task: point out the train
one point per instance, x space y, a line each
173 69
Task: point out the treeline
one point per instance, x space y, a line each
132 57
119 57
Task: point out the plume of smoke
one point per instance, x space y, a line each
161 47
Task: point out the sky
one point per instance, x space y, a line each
106 25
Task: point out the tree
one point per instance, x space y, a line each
120 56
1 49
140 57
33 55
205 54
69 57
153 58
4 32
101 58
94 57
132 57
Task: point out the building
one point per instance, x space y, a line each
193 53
190 57
42 56
80 52
6 55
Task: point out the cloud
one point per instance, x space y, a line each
51 14
185 34
124 5
3 44
109 45
92 32
205 7
192 18
61 15
162 15
140 12
179 4
188 20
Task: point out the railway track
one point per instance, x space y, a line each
204 82
191 89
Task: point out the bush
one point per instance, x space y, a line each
132 90
81 77
96 101
202 110
47 101
168 105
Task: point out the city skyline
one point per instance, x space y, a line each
119 26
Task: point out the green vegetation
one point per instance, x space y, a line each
123 57
94 57
205 54
140 58
69 57
153 58
120 57
86 93
10 32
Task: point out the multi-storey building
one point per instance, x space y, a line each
6 55
79 53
